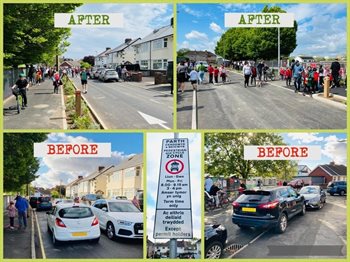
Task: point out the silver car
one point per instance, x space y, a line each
315 196
109 75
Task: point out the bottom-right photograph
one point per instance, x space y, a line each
275 195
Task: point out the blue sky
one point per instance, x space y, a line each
53 170
153 151
333 146
139 21
321 27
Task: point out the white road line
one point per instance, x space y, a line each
246 245
40 238
194 109
32 237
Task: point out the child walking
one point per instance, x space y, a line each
11 213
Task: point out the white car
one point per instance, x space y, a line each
69 222
120 218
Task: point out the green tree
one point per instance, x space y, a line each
84 65
30 33
256 42
224 156
20 165
183 51
89 59
55 194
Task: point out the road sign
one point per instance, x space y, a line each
173 210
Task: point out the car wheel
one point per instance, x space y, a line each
55 242
214 250
110 230
95 241
342 193
282 223
332 194
303 210
243 227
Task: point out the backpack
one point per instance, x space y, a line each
254 71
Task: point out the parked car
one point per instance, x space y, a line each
62 201
336 187
120 218
109 75
120 197
91 197
298 183
41 203
271 207
215 240
97 73
71 222
315 197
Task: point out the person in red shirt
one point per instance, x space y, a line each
211 72
282 72
216 75
315 82
288 76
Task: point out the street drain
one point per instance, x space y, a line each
233 248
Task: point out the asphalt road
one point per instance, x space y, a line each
231 106
106 248
131 105
317 228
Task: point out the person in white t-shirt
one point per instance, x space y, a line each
246 72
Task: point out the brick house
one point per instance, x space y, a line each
323 174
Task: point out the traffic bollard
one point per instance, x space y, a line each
78 102
326 87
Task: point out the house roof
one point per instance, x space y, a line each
156 34
73 182
96 173
203 53
123 46
334 170
132 161
305 57
71 63
104 53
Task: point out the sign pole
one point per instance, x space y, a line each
173 241
279 49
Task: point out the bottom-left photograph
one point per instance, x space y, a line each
73 195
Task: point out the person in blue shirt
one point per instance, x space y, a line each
297 70
208 183
22 206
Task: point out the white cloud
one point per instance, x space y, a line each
196 36
190 11
305 137
216 28
335 149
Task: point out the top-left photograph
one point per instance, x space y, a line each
88 66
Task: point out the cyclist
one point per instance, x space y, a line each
22 85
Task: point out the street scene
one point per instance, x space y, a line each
232 74
174 224
275 208
69 206
89 77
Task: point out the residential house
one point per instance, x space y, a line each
72 188
303 171
101 59
323 174
201 56
155 50
70 64
124 53
126 178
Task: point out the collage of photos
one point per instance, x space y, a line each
174 130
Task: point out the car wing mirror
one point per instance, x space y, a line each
104 209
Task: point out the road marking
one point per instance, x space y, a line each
32 237
151 120
194 110
251 242
40 238
331 226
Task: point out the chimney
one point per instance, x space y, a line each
108 48
127 40
172 22
332 163
80 177
100 168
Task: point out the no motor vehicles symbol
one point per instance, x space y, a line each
174 166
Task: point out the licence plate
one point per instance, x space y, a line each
79 234
140 231
248 209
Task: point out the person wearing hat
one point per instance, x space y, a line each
22 85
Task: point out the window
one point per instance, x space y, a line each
144 48
157 64
165 43
130 172
144 65
157 44
165 63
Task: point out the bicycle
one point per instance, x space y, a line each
19 99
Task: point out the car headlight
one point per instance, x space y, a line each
315 199
124 223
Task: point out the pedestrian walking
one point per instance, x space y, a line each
321 76
260 68
246 72
335 68
211 73
308 83
181 75
194 78
208 183
297 71
282 73
201 69
216 74
11 209
38 77
223 73
22 206
253 75
56 82
83 78
288 76
316 80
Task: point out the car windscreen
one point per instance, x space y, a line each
308 190
330 184
67 201
122 207
254 197
44 199
75 212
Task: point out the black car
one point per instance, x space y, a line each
268 208
40 203
337 187
215 240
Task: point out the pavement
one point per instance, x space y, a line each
231 106
312 233
130 105
45 109
106 248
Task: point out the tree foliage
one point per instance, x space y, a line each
89 59
20 165
30 35
84 65
183 51
257 42
224 156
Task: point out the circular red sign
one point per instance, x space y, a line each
174 166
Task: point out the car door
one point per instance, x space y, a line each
96 209
104 214
297 201
51 217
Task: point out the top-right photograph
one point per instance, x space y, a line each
261 66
